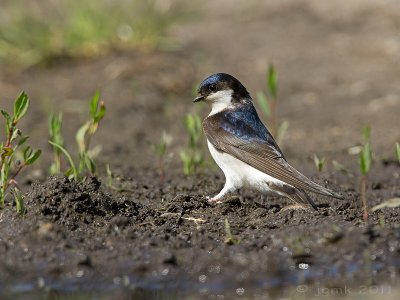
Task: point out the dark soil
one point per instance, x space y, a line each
147 238
166 237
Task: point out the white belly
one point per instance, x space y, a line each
239 174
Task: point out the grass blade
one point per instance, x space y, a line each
264 105
19 201
272 81
68 156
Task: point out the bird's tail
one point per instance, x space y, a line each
328 192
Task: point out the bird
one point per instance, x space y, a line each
245 150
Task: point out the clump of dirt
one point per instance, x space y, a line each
70 203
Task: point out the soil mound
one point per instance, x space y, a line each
70 203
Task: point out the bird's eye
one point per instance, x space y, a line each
213 88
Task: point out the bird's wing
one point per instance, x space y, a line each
243 143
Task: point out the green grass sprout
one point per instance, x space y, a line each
160 150
110 179
264 104
268 105
15 141
85 163
192 156
272 82
85 133
110 182
281 131
398 151
54 127
19 201
229 239
319 162
72 173
365 160
109 176
341 168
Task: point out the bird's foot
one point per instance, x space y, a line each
214 199
295 206
224 199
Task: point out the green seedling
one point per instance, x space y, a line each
365 160
19 201
268 105
110 182
85 133
109 176
110 179
398 151
341 168
281 131
54 126
83 137
192 156
229 239
160 149
264 104
319 162
15 141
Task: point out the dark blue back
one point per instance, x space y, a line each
243 122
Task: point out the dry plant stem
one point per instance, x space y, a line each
196 220
363 184
18 170
10 133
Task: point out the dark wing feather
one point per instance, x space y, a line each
301 197
223 133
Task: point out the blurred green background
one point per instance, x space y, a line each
33 32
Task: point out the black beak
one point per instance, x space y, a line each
198 98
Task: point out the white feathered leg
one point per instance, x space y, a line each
228 188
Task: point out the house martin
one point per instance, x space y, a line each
245 150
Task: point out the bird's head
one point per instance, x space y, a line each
221 90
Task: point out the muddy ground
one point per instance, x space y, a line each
338 69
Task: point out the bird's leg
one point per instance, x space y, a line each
219 198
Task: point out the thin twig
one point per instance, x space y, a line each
196 220
12 180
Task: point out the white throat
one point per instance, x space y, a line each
220 100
